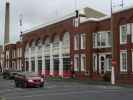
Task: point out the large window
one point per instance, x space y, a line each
123 33
76 42
66 40
56 62
39 64
83 41
124 30
123 61
47 63
66 64
109 62
102 39
76 63
33 65
83 63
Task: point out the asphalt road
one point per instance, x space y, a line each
61 90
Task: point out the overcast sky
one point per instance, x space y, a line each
36 12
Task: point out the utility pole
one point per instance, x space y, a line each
113 80
113 69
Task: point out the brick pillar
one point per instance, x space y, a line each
129 54
89 57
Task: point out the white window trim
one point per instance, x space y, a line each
107 64
95 45
75 63
82 62
82 40
75 42
121 42
121 67
95 65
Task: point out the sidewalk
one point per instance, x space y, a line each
90 82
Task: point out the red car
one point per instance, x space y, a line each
27 79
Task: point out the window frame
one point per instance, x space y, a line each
122 65
121 41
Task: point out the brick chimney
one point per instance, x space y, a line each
7 22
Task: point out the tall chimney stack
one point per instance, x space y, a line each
7 22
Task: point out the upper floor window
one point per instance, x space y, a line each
124 31
76 42
55 44
66 40
83 41
102 39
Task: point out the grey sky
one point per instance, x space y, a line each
36 12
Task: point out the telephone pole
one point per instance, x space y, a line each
114 62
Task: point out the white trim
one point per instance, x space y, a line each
101 34
132 60
132 32
60 59
36 59
51 60
83 46
100 69
76 62
125 25
121 62
95 62
76 41
29 59
83 66
105 61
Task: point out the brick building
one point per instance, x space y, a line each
54 48
13 56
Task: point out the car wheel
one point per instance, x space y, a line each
17 84
41 85
25 85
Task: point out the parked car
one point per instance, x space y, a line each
9 74
28 79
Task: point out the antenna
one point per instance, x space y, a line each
118 3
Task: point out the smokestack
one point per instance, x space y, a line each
7 22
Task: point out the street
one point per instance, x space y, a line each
64 90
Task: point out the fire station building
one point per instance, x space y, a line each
55 48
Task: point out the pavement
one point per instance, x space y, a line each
65 90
